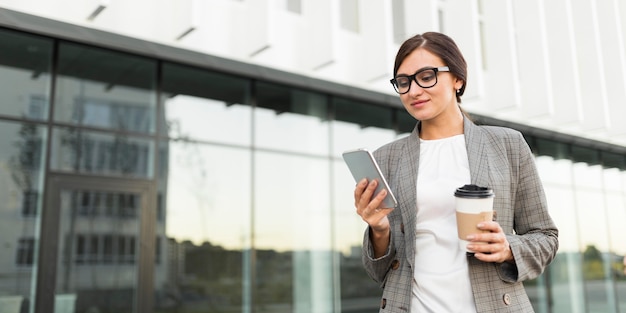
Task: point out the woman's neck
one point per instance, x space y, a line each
442 127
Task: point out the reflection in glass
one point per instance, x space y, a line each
348 136
363 114
289 119
615 186
298 195
566 289
105 89
358 292
207 224
79 151
292 234
98 250
22 148
204 105
591 207
25 75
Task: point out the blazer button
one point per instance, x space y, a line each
383 303
506 298
402 228
395 264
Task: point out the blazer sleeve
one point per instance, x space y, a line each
377 268
534 242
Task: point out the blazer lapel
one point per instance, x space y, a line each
477 154
407 180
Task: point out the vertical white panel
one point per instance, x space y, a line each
256 36
420 16
593 94
141 23
73 11
177 19
613 56
461 23
375 37
534 72
562 62
210 19
501 73
316 46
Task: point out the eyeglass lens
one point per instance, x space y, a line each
425 79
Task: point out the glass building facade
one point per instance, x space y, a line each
161 180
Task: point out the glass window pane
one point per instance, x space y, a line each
348 136
22 148
361 125
358 292
289 119
96 272
25 75
79 151
566 280
363 114
292 233
206 190
105 89
204 105
591 208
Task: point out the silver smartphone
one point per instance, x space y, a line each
362 164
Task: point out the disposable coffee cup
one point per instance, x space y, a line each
474 204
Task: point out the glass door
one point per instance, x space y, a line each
93 235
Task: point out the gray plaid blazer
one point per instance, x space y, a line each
498 158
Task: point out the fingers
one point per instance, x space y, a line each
363 193
492 246
368 205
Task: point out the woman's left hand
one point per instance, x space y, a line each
497 247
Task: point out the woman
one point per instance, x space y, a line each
413 250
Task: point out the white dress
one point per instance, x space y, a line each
441 278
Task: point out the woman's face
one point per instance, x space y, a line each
431 103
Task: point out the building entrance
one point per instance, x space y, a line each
94 237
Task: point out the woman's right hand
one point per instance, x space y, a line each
368 205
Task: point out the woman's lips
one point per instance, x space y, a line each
419 103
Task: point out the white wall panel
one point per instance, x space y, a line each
376 35
316 42
593 93
256 36
501 89
614 64
217 29
72 11
562 62
177 19
534 72
420 16
140 23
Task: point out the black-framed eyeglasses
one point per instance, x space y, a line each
424 78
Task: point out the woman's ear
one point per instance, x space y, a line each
458 84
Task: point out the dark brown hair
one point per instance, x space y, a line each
440 45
